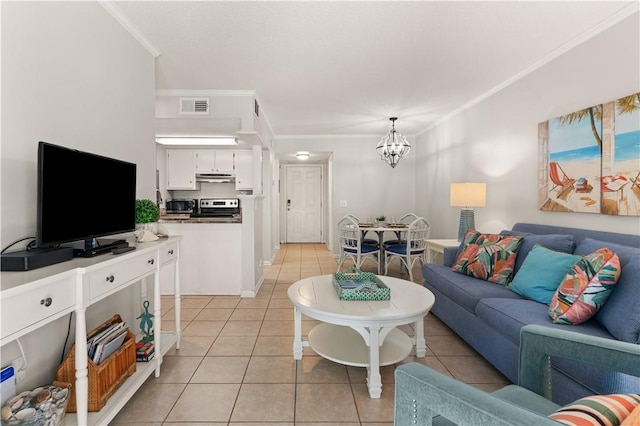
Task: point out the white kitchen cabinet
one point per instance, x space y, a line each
244 170
181 169
214 160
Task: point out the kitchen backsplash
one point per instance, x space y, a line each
208 190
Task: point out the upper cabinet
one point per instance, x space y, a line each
181 166
244 170
184 163
217 161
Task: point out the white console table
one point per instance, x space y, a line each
435 248
33 299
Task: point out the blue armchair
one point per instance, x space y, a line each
421 393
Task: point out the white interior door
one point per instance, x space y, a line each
303 204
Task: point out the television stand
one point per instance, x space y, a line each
95 247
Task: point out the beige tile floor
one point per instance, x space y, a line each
235 366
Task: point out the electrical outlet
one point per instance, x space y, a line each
20 369
343 203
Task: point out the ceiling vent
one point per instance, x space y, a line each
194 106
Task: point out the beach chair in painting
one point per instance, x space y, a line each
616 185
559 178
636 180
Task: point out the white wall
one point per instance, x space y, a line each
368 185
73 76
495 141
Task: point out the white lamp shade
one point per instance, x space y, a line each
468 194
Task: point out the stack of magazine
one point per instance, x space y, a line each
106 341
145 351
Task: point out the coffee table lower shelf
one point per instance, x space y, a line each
346 346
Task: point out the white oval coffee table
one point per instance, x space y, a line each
360 333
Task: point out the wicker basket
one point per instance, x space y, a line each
105 378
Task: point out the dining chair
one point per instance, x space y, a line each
411 250
351 245
364 232
407 219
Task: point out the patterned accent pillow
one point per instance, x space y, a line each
597 410
489 257
633 419
585 288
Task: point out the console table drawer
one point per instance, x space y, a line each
104 280
168 253
43 302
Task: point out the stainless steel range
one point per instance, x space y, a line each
218 207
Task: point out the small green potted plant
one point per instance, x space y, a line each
380 219
146 212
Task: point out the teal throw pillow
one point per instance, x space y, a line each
541 273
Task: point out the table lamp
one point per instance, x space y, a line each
467 195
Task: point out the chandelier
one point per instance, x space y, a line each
393 147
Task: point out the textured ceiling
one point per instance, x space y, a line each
326 68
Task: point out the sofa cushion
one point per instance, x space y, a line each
625 253
557 242
508 316
597 410
464 290
489 257
585 288
541 273
621 314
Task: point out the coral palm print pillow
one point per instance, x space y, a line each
490 257
585 288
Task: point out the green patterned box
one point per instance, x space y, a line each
353 284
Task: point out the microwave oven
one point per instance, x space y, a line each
181 206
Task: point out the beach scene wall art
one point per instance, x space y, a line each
589 160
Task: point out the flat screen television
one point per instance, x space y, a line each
83 196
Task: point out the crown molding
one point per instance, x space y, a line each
325 136
119 16
205 92
609 22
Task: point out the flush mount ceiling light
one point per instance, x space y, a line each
196 140
393 147
302 155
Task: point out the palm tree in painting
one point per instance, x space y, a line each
628 104
594 113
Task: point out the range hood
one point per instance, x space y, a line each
215 177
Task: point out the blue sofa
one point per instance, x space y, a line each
489 317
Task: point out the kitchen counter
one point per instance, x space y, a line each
185 218
219 257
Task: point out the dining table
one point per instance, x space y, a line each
380 229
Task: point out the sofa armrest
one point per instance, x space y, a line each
421 393
539 343
449 256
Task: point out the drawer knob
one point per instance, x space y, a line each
46 302
110 278
170 251
151 261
